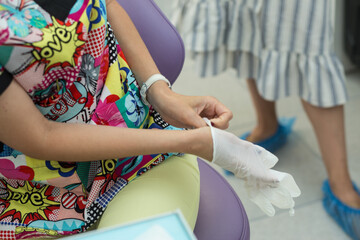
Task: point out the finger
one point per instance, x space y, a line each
196 121
222 120
287 181
207 121
267 157
264 204
217 112
279 196
257 197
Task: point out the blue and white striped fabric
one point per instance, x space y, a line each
286 45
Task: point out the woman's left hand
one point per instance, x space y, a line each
187 111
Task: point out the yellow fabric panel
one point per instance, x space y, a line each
41 172
174 184
113 82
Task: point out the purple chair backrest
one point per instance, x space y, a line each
160 36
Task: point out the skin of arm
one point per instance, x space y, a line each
189 110
24 128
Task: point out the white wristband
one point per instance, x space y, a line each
146 85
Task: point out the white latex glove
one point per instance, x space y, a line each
252 163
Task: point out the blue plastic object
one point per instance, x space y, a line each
347 217
165 226
276 141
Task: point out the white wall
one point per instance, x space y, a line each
165 5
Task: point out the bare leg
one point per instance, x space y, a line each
267 122
329 127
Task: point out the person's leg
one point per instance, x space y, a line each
329 127
267 122
174 184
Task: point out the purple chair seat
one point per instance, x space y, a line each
221 214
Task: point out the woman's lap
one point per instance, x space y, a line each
174 184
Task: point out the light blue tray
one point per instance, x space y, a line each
166 226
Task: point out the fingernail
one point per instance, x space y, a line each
212 124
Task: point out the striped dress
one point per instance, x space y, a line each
286 45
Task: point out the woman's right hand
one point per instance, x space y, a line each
187 111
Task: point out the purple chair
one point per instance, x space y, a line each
221 213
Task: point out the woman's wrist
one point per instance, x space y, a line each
158 90
200 143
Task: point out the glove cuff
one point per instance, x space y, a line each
212 136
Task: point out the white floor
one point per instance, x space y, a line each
300 157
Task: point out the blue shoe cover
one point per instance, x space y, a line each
347 217
228 173
276 141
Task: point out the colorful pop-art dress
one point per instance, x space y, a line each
65 56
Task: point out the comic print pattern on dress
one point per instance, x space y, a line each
74 71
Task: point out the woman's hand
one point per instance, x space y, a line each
187 111
265 186
177 110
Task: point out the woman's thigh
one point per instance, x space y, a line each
174 184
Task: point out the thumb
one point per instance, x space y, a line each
196 121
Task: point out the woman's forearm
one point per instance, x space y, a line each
24 128
137 55
90 142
